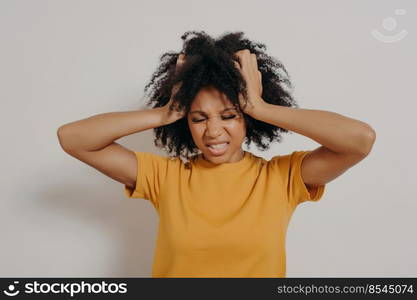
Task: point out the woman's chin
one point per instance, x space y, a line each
216 159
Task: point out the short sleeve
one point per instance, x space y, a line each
289 167
151 173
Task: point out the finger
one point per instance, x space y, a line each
239 55
176 88
254 60
181 58
237 65
180 61
240 52
260 82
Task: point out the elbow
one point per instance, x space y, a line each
60 131
61 135
368 140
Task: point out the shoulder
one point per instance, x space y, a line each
149 158
289 162
258 160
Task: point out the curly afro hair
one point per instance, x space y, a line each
210 63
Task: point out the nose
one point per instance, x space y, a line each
213 129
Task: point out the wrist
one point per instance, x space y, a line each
161 114
259 110
168 116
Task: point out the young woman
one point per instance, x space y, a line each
223 211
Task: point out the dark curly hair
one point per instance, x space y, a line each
210 63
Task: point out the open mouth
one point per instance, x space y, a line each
218 149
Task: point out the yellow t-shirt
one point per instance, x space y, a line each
227 220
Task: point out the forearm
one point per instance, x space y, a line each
98 131
332 130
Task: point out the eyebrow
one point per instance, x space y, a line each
202 112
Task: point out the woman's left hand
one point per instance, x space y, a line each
248 67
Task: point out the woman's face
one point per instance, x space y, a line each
214 120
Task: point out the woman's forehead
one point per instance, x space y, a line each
210 100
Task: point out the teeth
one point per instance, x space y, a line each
218 146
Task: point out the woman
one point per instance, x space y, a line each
223 211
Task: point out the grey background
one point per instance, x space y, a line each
66 60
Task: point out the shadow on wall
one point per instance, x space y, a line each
97 205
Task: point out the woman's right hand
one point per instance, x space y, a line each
170 116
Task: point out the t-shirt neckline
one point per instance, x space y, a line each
201 162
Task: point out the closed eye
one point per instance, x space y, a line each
225 118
